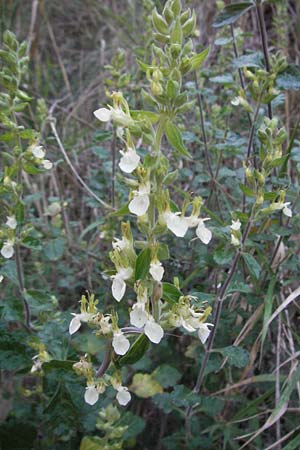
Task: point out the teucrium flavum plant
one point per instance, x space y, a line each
160 306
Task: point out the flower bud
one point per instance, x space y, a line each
159 23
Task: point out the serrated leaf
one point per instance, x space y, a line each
142 264
253 266
54 249
174 138
166 375
231 13
236 356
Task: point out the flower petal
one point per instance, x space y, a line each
203 233
75 324
118 288
139 204
38 151
120 343
178 225
287 211
11 222
7 251
129 161
103 114
123 396
203 332
91 395
154 331
138 317
156 270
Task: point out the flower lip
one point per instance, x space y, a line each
129 161
7 251
120 343
91 395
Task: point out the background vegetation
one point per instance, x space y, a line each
78 52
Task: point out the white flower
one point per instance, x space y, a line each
11 222
119 286
120 343
103 114
140 202
235 225
178 225
286 210
1 278
121 244
138 315
123 396
115 114
91 395
7 251
156 270
75 323
38 151
47 164
153 331
203 233
236 101
129 160
204 331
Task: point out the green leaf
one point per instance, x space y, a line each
136 351
253 266
163 252
236 356
134 424
170 293
268 303
198 59
246 190
289 79
166 375
174 138
57 364
231 13
121 212
142 264
149 116
294 444
54 249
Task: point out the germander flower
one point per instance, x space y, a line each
156 270
175 223
47 164
286 210
202 232
7 251
153 331
120 343
138 315
119 286
75 323
140 202
123 396
115 114
11 222
204 331
129 161
38 151
91 395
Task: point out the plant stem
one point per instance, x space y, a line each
264 41
236 54
216 320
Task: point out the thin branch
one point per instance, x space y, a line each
78 177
